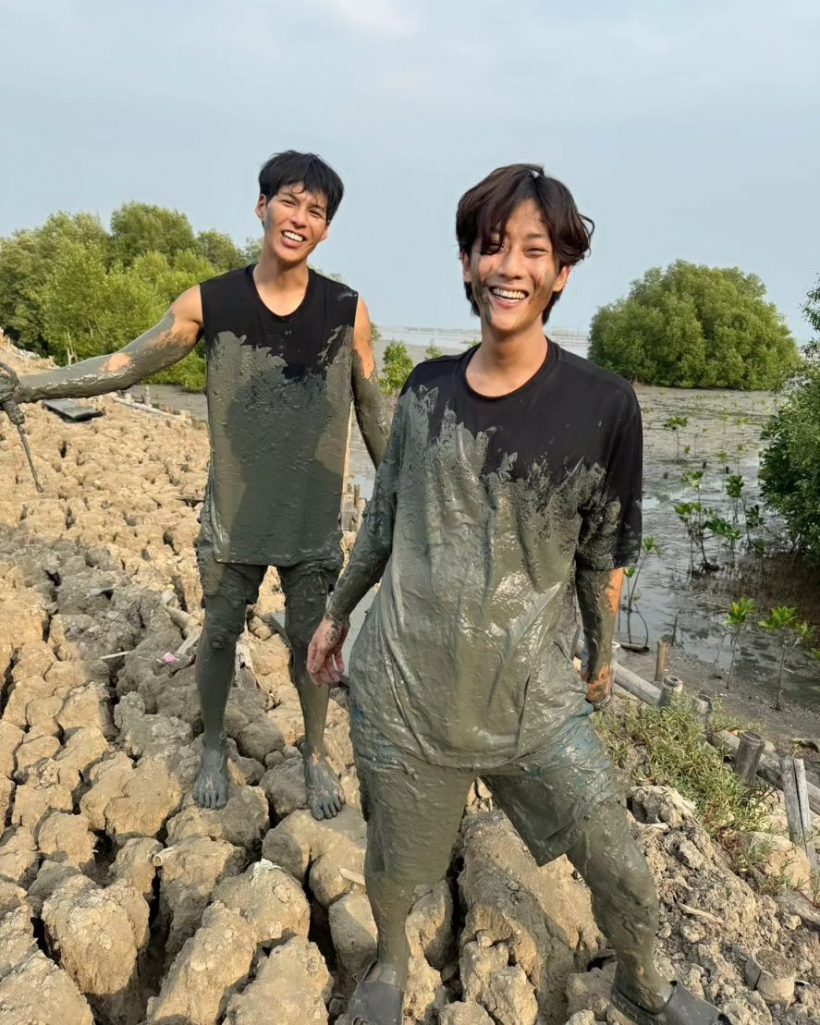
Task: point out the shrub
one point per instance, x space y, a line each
692 326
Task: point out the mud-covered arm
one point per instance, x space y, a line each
161 346
374 542
368 400
599 594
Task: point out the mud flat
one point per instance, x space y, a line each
122 903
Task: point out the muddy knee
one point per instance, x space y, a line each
224 625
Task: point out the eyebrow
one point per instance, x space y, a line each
289 190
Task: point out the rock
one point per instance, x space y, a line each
270 900
242 822
16 938
777 858
464 1013
108 779
135 865
12 897
33 749
332 848
353 932
19 857
189 873
83 747
211 964
97 933
581 1018
37 992
294 980
67 838
35 799
148 798
661 804
430 926
11 737
589 991
87 706
144 734
424 994
285 786
51 876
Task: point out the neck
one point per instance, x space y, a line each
511 358
271 273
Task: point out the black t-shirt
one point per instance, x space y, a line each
487 506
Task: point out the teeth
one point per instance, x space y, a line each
508 293
293 236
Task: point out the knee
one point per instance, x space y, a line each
223 626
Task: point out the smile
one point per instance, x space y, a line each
291 236
508 295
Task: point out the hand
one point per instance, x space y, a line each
324 661
9 385
599 690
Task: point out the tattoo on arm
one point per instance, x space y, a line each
158 348
599 593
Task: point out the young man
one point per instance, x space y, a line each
287 350
511 483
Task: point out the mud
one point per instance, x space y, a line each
176 913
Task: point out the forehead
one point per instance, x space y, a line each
298 189
526 219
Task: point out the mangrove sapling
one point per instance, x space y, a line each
736 623
734 489
728 533
630 606
674 424
791 632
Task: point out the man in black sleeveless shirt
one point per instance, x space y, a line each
511 486
287 351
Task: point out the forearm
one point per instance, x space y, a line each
599 593
364 569
153 351
371 410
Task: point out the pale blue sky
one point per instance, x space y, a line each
685 129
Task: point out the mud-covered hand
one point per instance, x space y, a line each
10 394
324 661
599 690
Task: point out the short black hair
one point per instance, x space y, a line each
485 209
292 168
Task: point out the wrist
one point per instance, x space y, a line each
334 616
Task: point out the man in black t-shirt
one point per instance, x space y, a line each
288 350
511 485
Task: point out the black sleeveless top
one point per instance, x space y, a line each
279 395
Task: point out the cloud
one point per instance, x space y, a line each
386 18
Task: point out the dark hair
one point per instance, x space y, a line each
486 208
292 168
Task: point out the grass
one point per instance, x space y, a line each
668 747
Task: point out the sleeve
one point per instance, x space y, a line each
611 525
374 542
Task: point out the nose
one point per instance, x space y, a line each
299 217
510 265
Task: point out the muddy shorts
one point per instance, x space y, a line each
305 585
548 795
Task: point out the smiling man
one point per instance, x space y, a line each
511 485
287 350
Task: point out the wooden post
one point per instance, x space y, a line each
798 813
671 691
660 661
748 756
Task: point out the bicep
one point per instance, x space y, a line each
365 363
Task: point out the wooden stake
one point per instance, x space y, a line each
798 813
660 661
748 756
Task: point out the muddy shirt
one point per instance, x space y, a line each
279 394
482 509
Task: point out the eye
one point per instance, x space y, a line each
287 200
537 252
491 248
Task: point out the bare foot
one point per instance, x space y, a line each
324 791
211 785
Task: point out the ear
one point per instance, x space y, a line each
562 279
324 234
261 206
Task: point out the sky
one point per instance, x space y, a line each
686 130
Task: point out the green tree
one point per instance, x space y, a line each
692 326
432 351
791 632
396 368
139 228
219 250
790 464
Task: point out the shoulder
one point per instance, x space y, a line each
433 373
610 392
337 290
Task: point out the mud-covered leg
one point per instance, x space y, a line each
306 587
624 900
215 659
